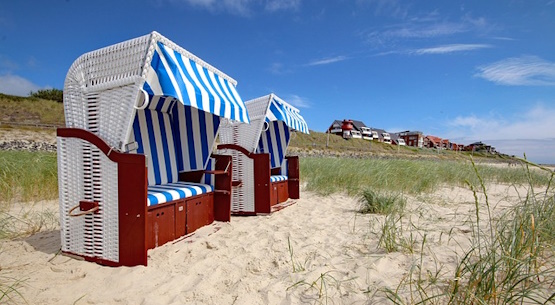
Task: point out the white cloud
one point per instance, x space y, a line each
520 71
326 61
428 31
234 7
297 101
241 7
531 132
393 8
451 48
281 5
16 85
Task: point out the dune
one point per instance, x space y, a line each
317 250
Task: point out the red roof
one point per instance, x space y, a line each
434 139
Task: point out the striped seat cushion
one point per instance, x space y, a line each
277 178
158 194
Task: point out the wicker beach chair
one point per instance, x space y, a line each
135 162
262 174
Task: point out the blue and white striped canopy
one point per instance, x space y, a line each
177 75
279 110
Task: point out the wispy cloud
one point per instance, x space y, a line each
278 68
391 8
327 61
393 34
423 27
16 85
427 31
234 7
241 7
451 48
298 101
520 71
530 132
282 5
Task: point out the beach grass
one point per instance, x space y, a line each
510 260
28 176
326 176
377 203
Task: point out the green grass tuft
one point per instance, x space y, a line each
375 203
28 176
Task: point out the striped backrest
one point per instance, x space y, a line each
175 138
274 141
152 130
284 168
194 132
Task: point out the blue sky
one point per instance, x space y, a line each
463 70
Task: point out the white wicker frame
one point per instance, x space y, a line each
246 136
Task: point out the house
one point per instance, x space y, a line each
335 128
479 146
380 135
366 133
445 144
432 142
359 130
386 137
457 147
412 138
397 140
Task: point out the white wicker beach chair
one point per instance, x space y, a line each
262 174
134 162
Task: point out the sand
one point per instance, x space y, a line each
334 256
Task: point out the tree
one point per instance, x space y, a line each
49 94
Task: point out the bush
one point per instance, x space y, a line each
49 94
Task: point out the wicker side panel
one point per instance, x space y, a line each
86 174
247 135
242 196
70 188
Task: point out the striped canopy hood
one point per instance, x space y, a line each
279 120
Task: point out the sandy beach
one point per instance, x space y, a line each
317 251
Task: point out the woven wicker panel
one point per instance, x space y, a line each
102 86
70 187
242 197
247 135
86 174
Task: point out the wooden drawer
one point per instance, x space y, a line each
282 191
160 226
200 212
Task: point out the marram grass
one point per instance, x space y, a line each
333 175
28 176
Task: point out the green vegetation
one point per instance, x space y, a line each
49 94
30 110
335 175
28 176
9 293
509 261
322 143
373 202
